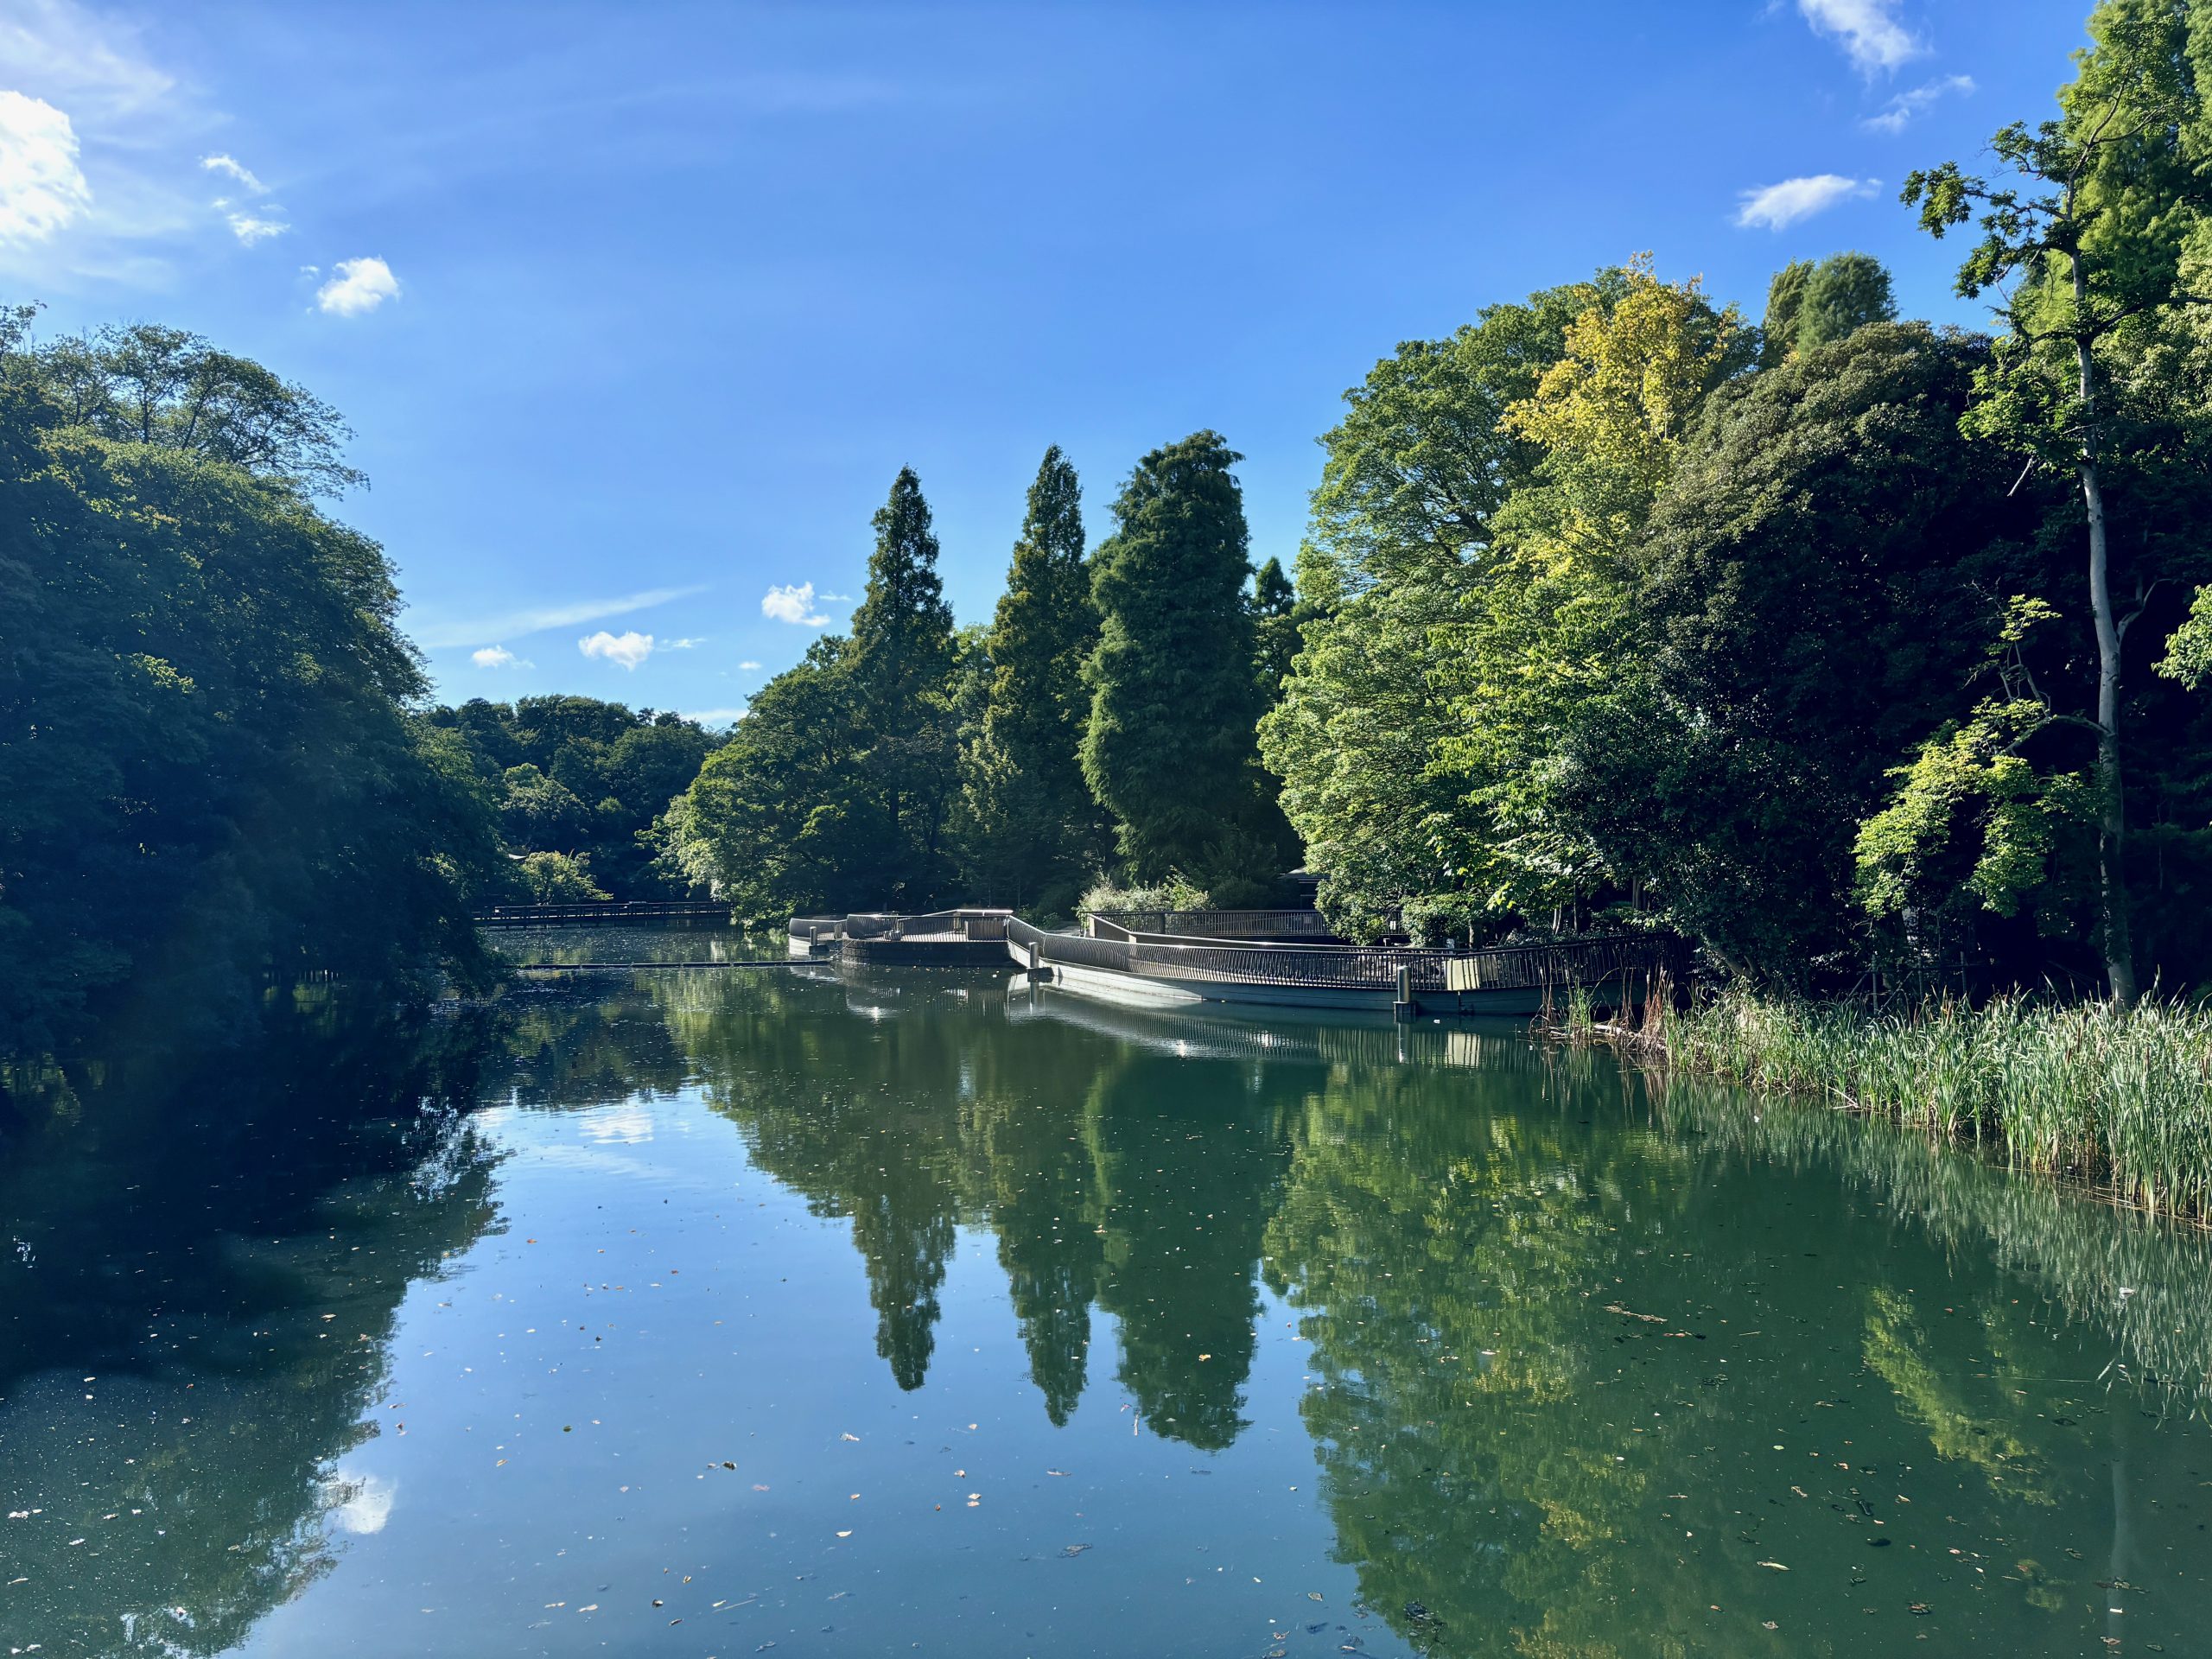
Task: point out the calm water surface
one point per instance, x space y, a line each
725 1313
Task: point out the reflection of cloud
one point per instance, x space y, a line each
624 1125
360 1504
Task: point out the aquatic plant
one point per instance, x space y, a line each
2121 1095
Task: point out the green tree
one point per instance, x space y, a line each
2085 235
216 781
902 659
1400 543
1170 749
1041 833
1820 578
2188 649
1275 628
1810 304
560 879
782 819
577 774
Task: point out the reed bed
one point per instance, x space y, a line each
2119 1096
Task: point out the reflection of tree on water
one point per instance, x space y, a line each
1443 1243
1140 1183
865 1122
172 1231
1190 1155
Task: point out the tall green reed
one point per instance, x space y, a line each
2117 1096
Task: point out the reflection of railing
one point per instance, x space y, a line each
648 910
1589 963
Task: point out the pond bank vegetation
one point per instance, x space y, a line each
2117 1097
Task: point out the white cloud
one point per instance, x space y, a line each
250 227
793 605
1868 30
515 625
1901 110
748 664
627 650
683 645
715 717
498 656
236 169
1775 206
837 599
41 187
357 286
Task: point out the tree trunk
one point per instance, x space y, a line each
2112 806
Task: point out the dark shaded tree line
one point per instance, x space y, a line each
216 781
579 784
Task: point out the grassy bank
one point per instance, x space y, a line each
2122 1097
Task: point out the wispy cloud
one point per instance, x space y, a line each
624 650
41 187
498 656
236 169
684 644
250 227
793 605
110 202
92 62
1868 30
715 717
517 624
749 665
356 286
1901 111
1775 206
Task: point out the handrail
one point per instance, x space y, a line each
607 911
1570 961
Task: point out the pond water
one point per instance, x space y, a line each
722 1313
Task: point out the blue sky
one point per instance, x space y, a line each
636 309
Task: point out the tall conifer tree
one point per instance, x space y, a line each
1039 832
901 662
1170 749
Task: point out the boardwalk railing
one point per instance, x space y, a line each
1591 963
969 924
614 914
1221 923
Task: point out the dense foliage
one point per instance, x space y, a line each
1778 636
1103 725
580 785
215 784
